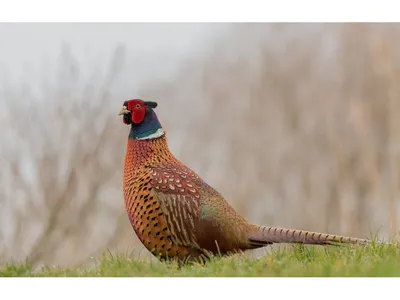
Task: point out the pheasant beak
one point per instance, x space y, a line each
124 111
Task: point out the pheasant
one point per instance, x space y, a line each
175 214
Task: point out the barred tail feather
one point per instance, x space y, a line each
264 235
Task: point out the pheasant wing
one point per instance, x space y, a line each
179 199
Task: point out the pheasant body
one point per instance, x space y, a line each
175 214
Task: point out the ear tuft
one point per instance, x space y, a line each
151 104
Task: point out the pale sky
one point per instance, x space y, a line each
156 45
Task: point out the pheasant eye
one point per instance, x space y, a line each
137 106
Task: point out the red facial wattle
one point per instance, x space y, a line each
138 115
138 110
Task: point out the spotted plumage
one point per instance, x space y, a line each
175 214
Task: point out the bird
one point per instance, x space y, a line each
178 216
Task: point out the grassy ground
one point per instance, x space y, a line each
375 260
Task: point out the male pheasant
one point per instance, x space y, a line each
175 214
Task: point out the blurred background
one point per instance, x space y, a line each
297 125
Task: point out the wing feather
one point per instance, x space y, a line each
179 199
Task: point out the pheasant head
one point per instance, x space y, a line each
142 118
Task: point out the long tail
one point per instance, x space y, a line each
264 235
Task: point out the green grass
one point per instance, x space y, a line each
375 260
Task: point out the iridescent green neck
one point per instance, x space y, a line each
150 128
152 133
